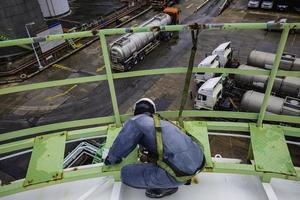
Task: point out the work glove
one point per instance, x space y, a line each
108 160
105 156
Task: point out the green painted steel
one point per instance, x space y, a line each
47 159
271 79
28 87
110 79
199 131
213 26
164 71
270 150
166 114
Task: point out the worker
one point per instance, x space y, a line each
176 161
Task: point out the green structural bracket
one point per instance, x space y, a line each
270 150
112 134
46 162
199 131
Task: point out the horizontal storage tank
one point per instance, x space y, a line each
54 8
252 101
14 14
285 86
266 60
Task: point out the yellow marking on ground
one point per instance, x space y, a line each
190 5
135 25
78 45
64 68
61 94
100 68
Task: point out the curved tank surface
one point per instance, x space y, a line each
125 46
13 17
284 86
265 60
54 8
252 101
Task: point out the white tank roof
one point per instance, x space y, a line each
211 186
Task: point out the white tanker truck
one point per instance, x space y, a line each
284 86
220 57
252 101
266 60
131 48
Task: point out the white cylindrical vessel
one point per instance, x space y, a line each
54 8
266 60
282 85
127 45
252 101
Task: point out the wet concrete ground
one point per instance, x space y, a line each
76 102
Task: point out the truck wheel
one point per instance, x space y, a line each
142 56
23 76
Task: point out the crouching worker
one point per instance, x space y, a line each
174 157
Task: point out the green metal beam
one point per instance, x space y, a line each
271 79
212 26
110 79
29 87
56 127
101 131
167 114
164 71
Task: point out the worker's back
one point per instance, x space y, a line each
180 151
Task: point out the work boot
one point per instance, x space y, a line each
159 193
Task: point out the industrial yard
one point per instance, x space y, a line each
60 103
82 57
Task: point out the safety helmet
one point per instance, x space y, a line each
144 105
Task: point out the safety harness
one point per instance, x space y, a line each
159 141
160 151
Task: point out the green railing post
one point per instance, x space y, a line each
110 80
280 49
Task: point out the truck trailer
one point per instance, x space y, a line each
131 48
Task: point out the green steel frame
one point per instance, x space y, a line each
256 130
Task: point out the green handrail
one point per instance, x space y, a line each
110 76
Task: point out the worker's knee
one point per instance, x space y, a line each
132 175
127 176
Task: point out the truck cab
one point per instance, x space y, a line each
224 53
211 62
254 3
209 94
267 4
282 5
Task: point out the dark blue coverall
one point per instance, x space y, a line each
179 151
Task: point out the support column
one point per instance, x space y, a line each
110 80
280 49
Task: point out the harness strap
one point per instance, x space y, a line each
160 151
158 135
188 75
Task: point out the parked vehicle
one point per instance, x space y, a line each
131 48
254 3
209 94
267 4
282 5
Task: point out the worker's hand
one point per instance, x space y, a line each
105 154
106 161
